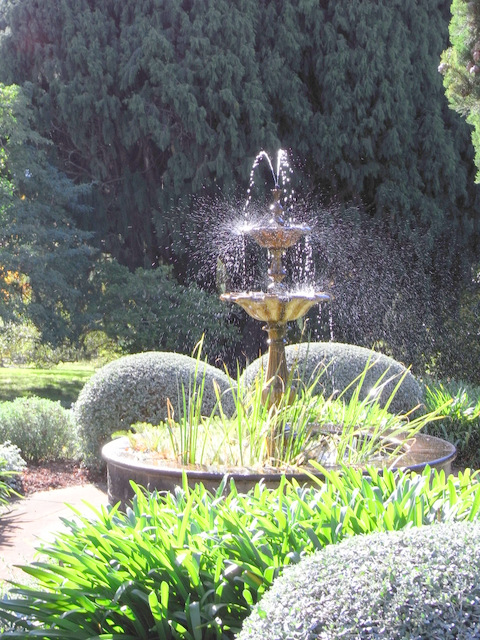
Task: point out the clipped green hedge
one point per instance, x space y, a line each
42 429
419 583
191 564
136 388
343 363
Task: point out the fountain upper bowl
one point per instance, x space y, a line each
276 236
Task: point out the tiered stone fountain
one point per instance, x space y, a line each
277 306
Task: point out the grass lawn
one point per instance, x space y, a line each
63 382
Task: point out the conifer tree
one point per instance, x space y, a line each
150 100
460 65
155 100
44 258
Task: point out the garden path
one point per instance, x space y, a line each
37 518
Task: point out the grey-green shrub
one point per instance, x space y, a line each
11 458
136 388
11 466
418 583
42 429
343 363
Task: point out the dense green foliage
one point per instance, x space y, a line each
155 104
152 102
149 100
461 65
419 583
137 388
44 257
190 564
43 430
149 310
459 410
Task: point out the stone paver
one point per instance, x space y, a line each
36 519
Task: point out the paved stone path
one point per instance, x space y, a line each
33 520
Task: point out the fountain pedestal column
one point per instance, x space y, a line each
277 374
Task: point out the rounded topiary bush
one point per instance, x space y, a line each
341 364
417 583
42 429
136 388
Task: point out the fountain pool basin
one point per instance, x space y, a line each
124 466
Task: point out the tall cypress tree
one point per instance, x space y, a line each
154 100
150 100
362 100
460 66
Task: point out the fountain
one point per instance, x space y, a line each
277 306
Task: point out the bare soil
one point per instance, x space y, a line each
57 475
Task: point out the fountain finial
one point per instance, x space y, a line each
276 208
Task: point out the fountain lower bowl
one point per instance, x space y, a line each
273 307
123 466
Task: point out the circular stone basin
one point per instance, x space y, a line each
123 465
271 307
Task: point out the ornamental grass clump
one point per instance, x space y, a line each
191 564
458 409
303 429
418 583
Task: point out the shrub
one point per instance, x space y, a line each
18 342
136 388
11 466
42 429
148 309
459 408
418 583
344 363
190 564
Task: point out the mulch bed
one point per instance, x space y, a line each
57 475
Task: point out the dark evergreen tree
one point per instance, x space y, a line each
44 258
156 100
148 310
150 100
